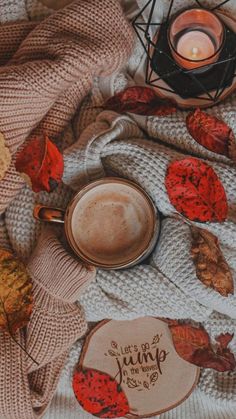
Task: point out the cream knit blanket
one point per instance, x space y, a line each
167 285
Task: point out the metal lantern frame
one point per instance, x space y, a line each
142 30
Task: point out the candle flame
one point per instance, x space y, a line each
195 52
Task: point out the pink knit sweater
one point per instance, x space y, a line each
49 68
46 70
27 388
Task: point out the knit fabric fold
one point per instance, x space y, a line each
43 83
167 284
116 143
58 51
46 71
65 266
55 324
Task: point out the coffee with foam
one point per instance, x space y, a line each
112 223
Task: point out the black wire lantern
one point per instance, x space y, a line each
210 85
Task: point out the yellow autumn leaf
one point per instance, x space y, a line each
16 299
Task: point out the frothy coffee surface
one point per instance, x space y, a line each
112 223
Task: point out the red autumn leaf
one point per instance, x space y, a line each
211 133
218 361
224 340
41 162
222 360
195 190
193 345
187 339
141 101
99 394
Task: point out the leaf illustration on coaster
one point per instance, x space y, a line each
114 345
211 133
99 394
141 101
193 345
131 383
112 353
5 157
211 266
195 190
146 385
156 339
41 164
154 377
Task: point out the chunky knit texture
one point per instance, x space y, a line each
56 322
52 70
146 162
47 70
166 285
12 10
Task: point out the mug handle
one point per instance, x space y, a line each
48 214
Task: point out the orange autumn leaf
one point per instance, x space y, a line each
211 267
212 133
193 345
41 162
195 190
99 394
187 339
224 340
140 101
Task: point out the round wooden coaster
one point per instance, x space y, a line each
203 102
141 357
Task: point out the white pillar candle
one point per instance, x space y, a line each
195 45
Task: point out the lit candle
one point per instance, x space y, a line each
195 45
196 37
